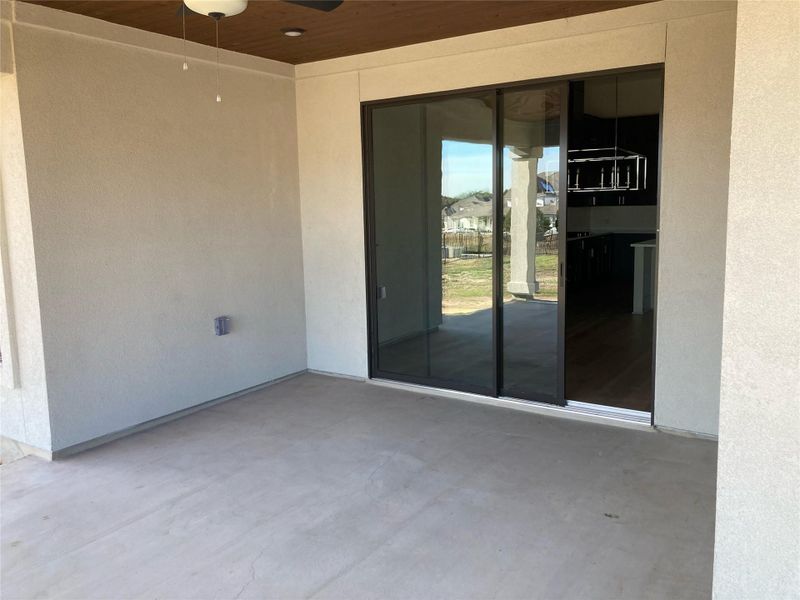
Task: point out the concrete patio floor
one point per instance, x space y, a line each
330 488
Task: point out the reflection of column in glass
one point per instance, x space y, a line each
524 188
435 172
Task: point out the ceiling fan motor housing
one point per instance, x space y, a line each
216 9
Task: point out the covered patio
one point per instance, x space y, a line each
330 488
212 223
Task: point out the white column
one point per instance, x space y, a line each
757 549
522 282
433 185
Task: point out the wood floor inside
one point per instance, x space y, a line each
609 350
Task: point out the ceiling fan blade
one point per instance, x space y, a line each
323 5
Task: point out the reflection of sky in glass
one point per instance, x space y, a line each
467 167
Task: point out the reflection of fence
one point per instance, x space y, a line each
458 243
549 245
470 242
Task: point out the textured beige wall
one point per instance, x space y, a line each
201 214
757 552
329 91
635 45
24 414
155 209
698 85
328 119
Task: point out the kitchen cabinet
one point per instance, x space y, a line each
589 260
613 141
601 199
592 113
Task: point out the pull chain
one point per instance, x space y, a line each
183 24
216 22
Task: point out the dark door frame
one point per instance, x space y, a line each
497 250
371 261
497 210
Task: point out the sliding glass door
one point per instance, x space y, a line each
431 241
532 297
463 200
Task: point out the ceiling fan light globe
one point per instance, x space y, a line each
227 8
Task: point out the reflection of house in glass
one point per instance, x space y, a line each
546 201
474 212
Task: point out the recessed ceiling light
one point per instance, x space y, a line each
293 31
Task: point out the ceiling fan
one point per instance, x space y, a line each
229 8
218 9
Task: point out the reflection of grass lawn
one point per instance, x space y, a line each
467 282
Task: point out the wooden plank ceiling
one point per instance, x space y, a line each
354 27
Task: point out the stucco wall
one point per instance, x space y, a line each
202 215
698 87
689 37
328 119
24 414
757 551
155 209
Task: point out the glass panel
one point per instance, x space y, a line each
432 191
611 240
531 160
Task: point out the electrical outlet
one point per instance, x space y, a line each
222 325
